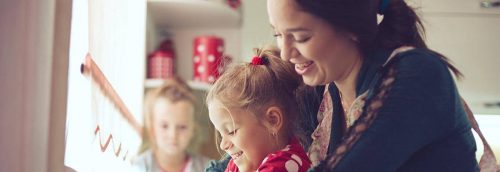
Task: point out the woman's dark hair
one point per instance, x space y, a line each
400 26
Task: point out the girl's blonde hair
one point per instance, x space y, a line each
257 87
174 90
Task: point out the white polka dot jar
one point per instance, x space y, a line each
207 58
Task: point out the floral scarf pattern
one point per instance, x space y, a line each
321 135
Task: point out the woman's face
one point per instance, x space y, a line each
320 53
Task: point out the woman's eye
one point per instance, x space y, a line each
302 39
164 126
276 35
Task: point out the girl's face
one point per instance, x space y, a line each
320 53
243 136
173 125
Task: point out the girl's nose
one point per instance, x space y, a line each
225 144
173 133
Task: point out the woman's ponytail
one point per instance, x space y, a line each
401 26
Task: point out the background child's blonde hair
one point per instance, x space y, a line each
257 87
174 90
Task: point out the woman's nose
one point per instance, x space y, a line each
225 144
286 49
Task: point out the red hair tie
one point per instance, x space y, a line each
256 60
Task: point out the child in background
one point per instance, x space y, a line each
253 108
169 128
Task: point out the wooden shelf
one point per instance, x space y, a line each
192 13
199 85
153 83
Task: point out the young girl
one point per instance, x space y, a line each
169 127
253 108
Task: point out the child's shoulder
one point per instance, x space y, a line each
144 159
290 158
199 161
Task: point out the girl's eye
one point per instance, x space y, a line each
232 132
276 35
182 127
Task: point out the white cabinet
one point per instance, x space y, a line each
182 21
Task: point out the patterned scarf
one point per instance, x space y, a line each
321 135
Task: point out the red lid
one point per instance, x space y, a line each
161 54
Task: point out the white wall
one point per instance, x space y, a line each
256 30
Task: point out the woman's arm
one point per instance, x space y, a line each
420 108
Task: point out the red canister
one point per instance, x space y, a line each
161 61
207 58
160 65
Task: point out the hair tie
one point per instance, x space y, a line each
256 60
383 6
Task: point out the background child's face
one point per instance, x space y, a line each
173 125
246 140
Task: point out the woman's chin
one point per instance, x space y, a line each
311 81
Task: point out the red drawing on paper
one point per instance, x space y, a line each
109 140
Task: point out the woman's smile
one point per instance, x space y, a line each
302 68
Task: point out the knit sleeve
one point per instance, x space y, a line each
218 166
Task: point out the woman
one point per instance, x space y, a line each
403 116
421 125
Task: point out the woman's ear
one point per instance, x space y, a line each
274 118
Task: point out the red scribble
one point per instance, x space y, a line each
109 140
125 156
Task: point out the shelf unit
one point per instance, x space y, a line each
182 21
